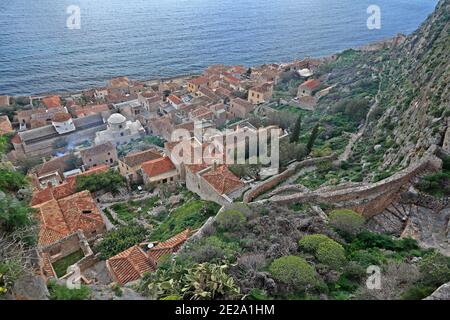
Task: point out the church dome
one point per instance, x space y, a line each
116 118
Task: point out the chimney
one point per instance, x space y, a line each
214 165
49 184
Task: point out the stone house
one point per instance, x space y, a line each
239 108
260 94
130 166
104 153
307 88
195 84
159 171
214 183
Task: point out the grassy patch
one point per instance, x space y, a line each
61 265
190 215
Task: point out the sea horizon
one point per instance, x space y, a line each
44 58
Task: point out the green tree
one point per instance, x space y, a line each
312 138
296 132
110 181
295 272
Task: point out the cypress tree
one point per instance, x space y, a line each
296 132
312 138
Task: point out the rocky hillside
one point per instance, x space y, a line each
413 105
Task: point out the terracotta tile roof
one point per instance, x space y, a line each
174 99
5 125
130 265
137 159
232 79
262 88
223 180
119 82
194 168
311 84
16 139
59 218
169 246
199 81
63 190
56 164
61 117
90 110
149 94
52 102
157 167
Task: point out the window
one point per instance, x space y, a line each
90 160
87 211
121 134
120 126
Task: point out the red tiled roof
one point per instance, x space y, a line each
130 265
59 218
222 180
137 159
311 84
169 246
157 167
52 102
90 110
63 190
61 117
199 81
173 98
119 82
16 139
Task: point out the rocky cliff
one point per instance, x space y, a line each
412 110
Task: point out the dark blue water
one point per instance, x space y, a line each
160 38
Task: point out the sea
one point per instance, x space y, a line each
70 45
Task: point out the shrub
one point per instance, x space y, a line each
61 292
417 292
118 240
110 181
311 242
12 180
14 214
213 249
294 272
435 269
347 221
331 253
230 220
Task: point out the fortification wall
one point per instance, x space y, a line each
272 182
371 199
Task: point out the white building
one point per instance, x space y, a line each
120 131
63 123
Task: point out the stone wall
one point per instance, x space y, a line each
272 182
369 200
